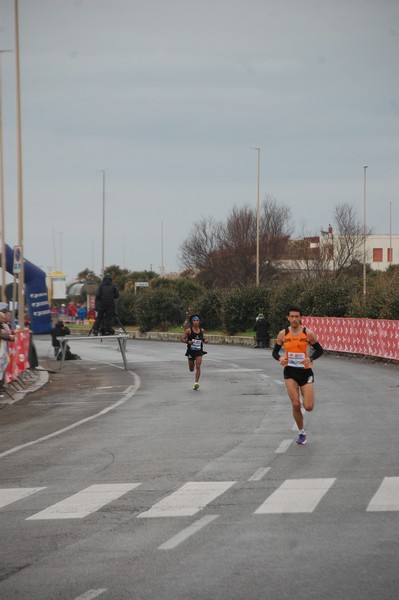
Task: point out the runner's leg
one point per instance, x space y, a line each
307 392
293 393
198 362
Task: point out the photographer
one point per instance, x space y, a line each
106 295
60 330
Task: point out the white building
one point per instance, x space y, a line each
382 251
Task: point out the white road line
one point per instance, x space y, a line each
90 594
131 393
10 495
265 376
278 382
259 474
188 500
186 533
386 497
296 496
85 502
285 444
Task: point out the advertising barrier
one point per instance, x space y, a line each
18 353
370 337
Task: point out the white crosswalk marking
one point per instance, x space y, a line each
85 502
295 496
386 497
10 495
189 499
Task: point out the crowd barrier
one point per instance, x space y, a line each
369 337
14 356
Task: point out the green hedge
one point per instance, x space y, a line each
234 310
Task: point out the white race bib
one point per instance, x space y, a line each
196 345
295 360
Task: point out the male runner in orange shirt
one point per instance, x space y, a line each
297 363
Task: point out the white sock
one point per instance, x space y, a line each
302 431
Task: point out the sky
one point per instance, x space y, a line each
169 99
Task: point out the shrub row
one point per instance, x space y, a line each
168 303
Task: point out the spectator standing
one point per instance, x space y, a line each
71 312
262 332
81 314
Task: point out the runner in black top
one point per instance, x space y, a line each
195 338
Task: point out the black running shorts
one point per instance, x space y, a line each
301 376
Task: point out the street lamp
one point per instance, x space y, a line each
3 227
162 265
257 218
103 227
390 233
364 232
21 278
60 233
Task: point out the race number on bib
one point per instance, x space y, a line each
196 345
295 359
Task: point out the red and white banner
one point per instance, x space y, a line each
18 353
371 337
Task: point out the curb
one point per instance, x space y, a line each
27 382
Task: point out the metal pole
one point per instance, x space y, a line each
364 234
390 233
257 218
162 267
21 278
60 233
3 223
103 235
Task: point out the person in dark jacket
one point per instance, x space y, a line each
60 330
106 295
262 332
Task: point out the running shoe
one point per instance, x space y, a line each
196 386
301 439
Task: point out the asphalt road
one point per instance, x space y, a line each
127 484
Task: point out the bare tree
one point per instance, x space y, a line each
201 241
348 242
276 227
224 254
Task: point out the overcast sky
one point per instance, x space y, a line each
169 96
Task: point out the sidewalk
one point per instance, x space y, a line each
28 381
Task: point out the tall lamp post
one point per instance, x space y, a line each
60 233
390 233
162 265
364 232
3 226
103 228
21 279
257 217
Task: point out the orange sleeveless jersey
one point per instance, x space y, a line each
296 343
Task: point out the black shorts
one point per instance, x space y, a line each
301 376
192 354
